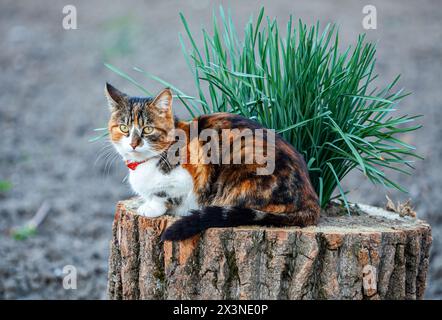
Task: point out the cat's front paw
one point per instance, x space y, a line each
152 209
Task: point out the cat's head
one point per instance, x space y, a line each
140 128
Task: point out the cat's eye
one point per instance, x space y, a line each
124 128
147 130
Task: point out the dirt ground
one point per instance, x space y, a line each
51 97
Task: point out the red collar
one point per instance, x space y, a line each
132 165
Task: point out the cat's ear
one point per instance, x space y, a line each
115 98
163 101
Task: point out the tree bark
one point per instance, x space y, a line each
375 254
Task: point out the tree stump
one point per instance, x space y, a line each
375 254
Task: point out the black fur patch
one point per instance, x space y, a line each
175 201
161 194
220 217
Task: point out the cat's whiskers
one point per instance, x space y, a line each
103 156
108 154
103 152
106 160
110 161
106 145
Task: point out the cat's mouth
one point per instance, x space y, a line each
137 155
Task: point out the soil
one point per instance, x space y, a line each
51 98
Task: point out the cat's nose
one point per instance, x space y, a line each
135 142
134 145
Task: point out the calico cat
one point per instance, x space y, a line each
206 195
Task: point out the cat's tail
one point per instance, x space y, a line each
219 217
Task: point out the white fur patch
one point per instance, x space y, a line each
147 180
152 208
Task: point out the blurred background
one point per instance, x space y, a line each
51 99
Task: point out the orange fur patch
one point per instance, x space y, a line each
114 130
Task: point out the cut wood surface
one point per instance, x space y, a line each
373 254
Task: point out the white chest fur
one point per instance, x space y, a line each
147 180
